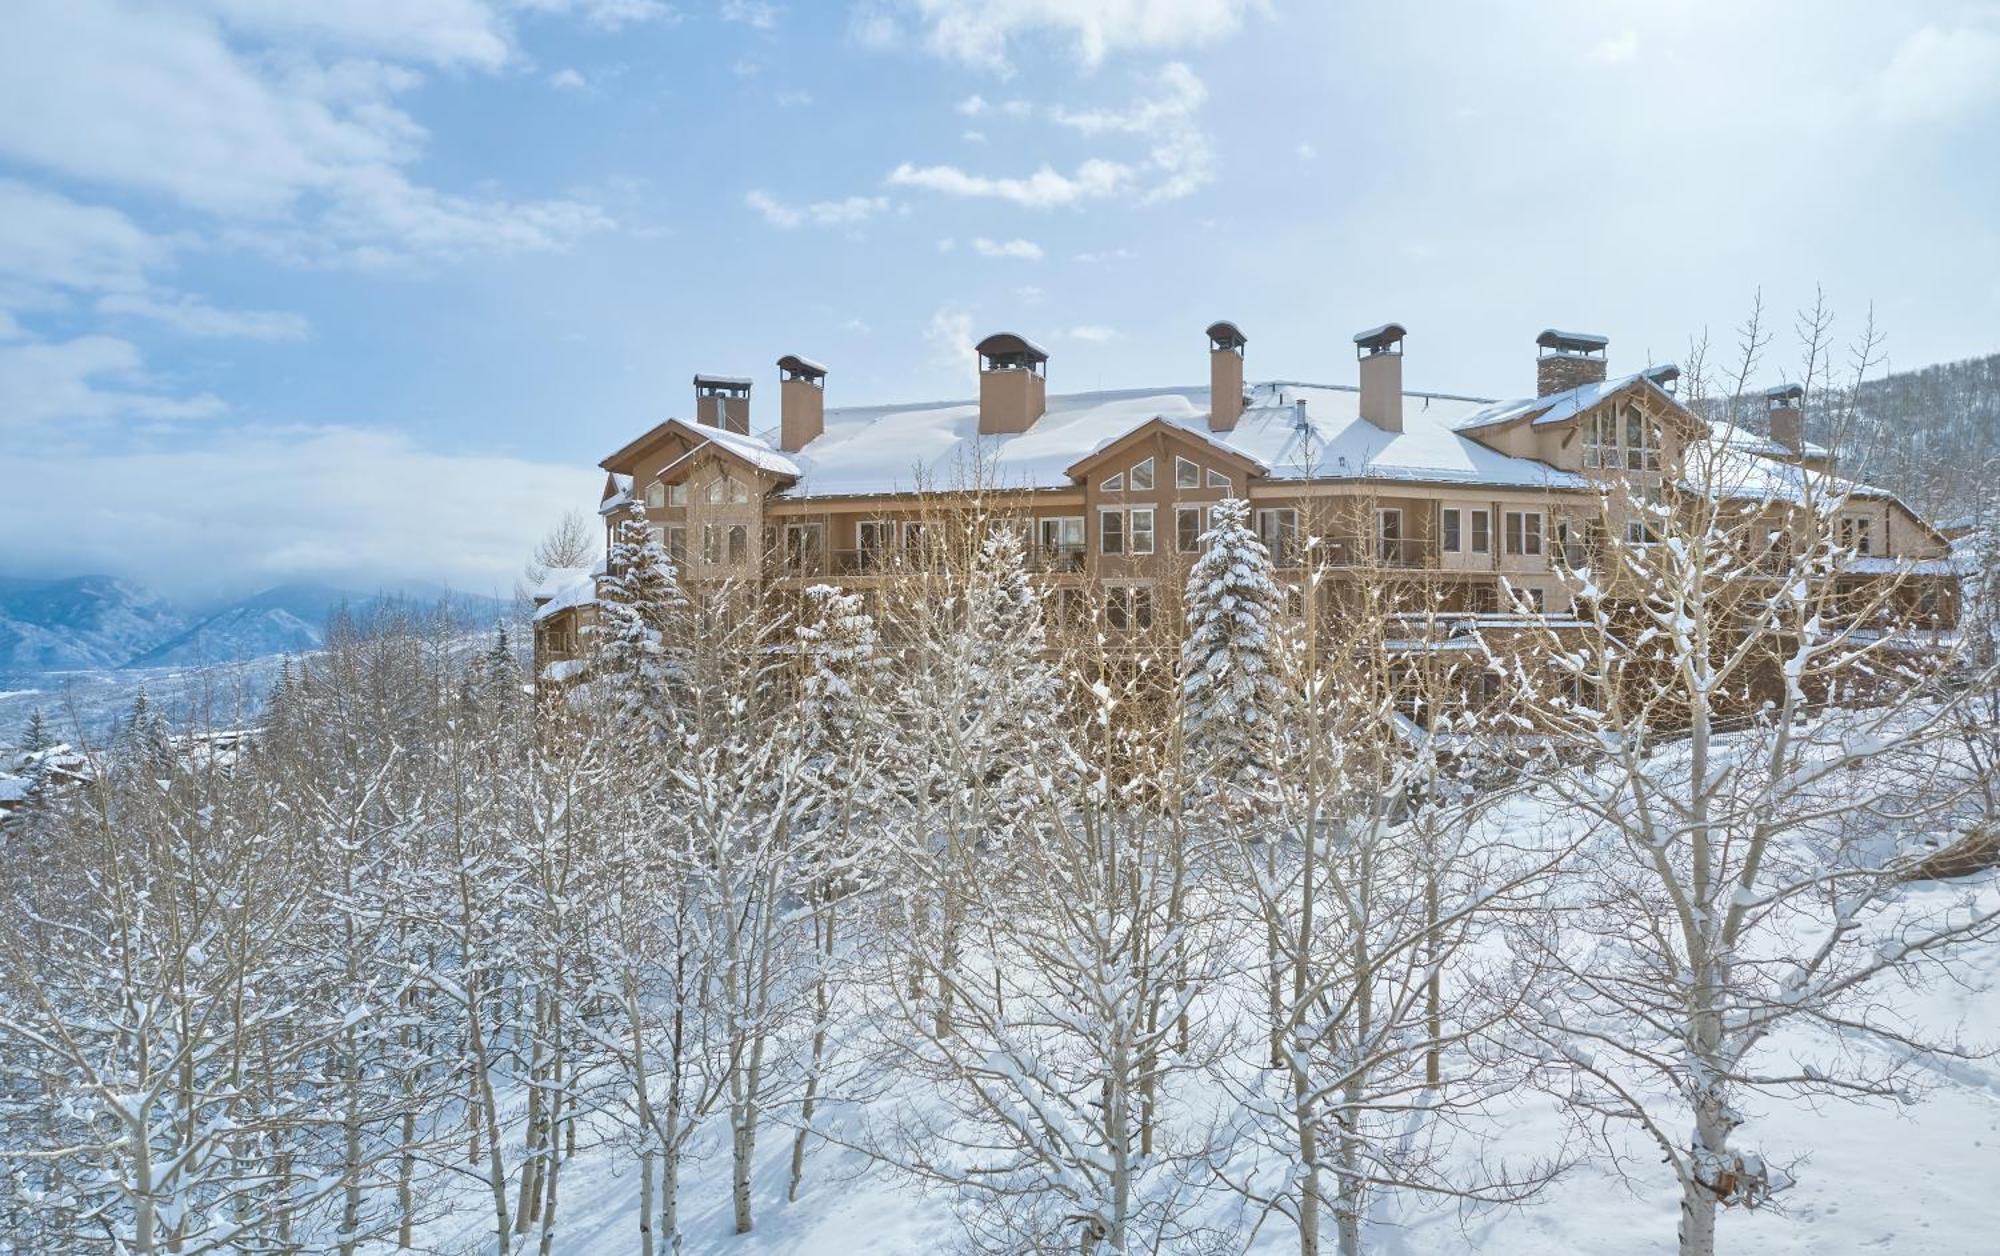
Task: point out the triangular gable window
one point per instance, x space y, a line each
1114 483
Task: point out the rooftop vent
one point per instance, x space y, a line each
1225 376
1568 359
801 402
722 401
1013 387
1381 352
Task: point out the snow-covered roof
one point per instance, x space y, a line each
1562 406
1740 472
754 450
1874 566
14 789
1750 442
891 449
557 580
580 589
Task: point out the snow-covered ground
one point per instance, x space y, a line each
1916 1178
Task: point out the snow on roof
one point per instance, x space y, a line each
1870 566
754 450
14 789
1562 406
556 580
1737 471
891 449
721 381
1752 443
580 589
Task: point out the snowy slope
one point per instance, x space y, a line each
82 621
1913 1179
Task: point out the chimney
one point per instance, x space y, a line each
1013 390
1381 352
1225 376
801 402
1569 359
1785 412
722 401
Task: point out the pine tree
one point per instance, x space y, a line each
37 737
643 616
1229 661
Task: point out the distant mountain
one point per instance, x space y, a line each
96 622
80 622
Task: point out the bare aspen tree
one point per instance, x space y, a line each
1757 719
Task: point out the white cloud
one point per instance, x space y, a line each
1044 189
1305 151
1022 250
1941 75
1616 49
793 99
848 212
91 379
753 13
568 80
948 336
442 32
1092 333
301 155
50 242
973 137
1104 255
982 32
972 106
331 502
192 316
605 15
1181 157
946 245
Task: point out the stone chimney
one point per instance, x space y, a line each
1381 352
722 401
1013 388
1225 376
1785 412
1569 359
801 402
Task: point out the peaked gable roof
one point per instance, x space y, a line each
1563 406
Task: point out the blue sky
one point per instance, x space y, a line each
361 291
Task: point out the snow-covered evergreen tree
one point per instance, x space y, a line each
1230 666
643 627
36 736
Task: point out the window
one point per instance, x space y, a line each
1857 532
1111 532
656 494
872 538
1186 474
1142 530
1482 531
1128 606
677 544
739 544
677 494
1114 483
727 489
711 543
1600 441
1389 536
803 544
1062 538
1217 479
1189 523
1142 475
1453 531
1642 442
1524 532
657 536
1278 528
913 537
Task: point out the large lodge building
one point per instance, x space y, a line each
1473 506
